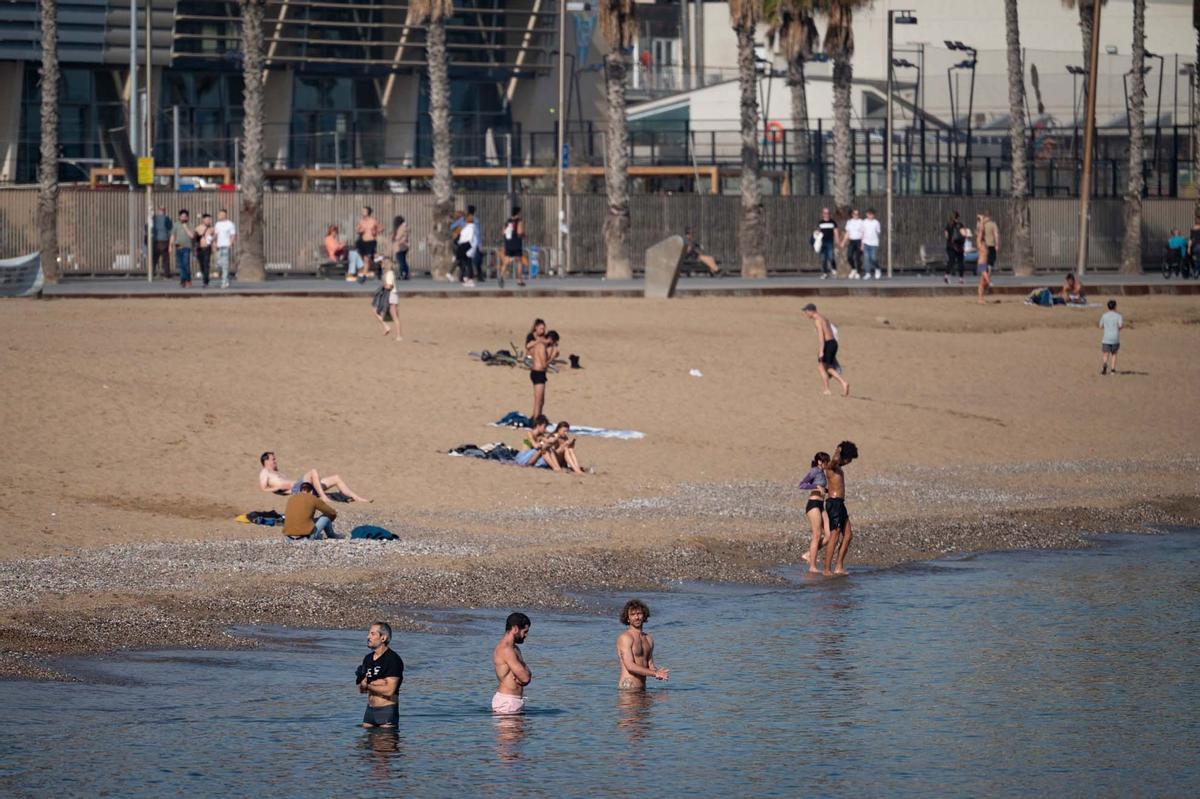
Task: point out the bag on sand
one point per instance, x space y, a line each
373 533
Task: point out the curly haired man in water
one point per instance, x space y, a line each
635 649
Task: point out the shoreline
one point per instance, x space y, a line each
203 615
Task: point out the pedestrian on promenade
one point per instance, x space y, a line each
184 238
225 236
477 245
160 226
1111 323
955 241
367 242
204 244
828 231
870 243
852 240
400 245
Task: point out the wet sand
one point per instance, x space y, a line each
133 427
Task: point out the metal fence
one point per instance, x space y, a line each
93 226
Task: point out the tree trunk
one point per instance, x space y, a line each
1085 30
750 232
252 262
441 249
616 179
1195 120
1022 238
48 169
800 145
843 156
1131 245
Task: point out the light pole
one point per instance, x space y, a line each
562 141
968 63
904 63
895 17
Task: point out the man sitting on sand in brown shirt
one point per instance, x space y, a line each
299 512
271 480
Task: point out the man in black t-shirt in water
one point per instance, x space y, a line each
379 677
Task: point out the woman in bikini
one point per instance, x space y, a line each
816 484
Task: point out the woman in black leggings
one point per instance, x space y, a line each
954 247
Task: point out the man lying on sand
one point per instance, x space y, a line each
635 649
271 480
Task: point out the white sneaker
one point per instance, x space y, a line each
225 284
878 274
824 275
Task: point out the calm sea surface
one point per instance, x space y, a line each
1035 674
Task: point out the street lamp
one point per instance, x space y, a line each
1076 73
895 17
1158 115
968 63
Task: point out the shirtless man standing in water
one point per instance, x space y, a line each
635 649
827 347
511 671
835 505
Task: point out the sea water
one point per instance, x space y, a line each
1018 674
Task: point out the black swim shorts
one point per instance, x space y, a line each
814 503
513 250
838 516
378 716
829 354
367 248
537 377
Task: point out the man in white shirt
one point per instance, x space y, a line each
467 235
870 239
853 241
225 234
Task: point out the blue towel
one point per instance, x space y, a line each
370 531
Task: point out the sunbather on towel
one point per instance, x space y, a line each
564 446
271 480
542 447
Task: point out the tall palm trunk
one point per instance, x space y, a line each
1085 31
800 140
1019 204
1195 120
48 169
441 249
1131 245
843 155
252 262
751 232
616 185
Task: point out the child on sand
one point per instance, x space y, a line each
840 532
1111 322
816 484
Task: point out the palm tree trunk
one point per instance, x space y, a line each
1085 30
616 185
1195 121
48 169
252 262
750 232
1131 245
1022 236
441 248
800 144
843 163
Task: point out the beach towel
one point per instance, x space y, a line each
270 518
517 419
373 533
497 451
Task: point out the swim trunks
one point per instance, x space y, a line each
829 354
537 377
836 506
507 704
814 503
1110 348
367 250
378 716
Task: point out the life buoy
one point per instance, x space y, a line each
774 131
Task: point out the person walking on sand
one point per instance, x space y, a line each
300 519
816 484
827 347
1111 323
635 649
385 301
380 677
512 673
271 480
840 531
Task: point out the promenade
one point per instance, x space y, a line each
594 286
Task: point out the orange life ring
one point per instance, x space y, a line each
774 131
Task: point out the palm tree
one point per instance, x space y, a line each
1195 120
433 14
252 262
792 25
48 169
1022 235
619 27
839 46
1131 245
744 16
1086 16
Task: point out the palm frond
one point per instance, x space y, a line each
618 22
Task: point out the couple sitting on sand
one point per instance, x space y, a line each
826 508
306 498
555 450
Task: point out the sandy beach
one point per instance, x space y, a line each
132 430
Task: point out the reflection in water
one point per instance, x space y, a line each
510 732
634 716
383 749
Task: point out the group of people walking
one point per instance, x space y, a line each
859 238
180 240
979 248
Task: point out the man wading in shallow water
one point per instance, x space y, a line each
511 671
379 677
635 649
835 505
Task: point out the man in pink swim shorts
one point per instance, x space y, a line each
511 671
